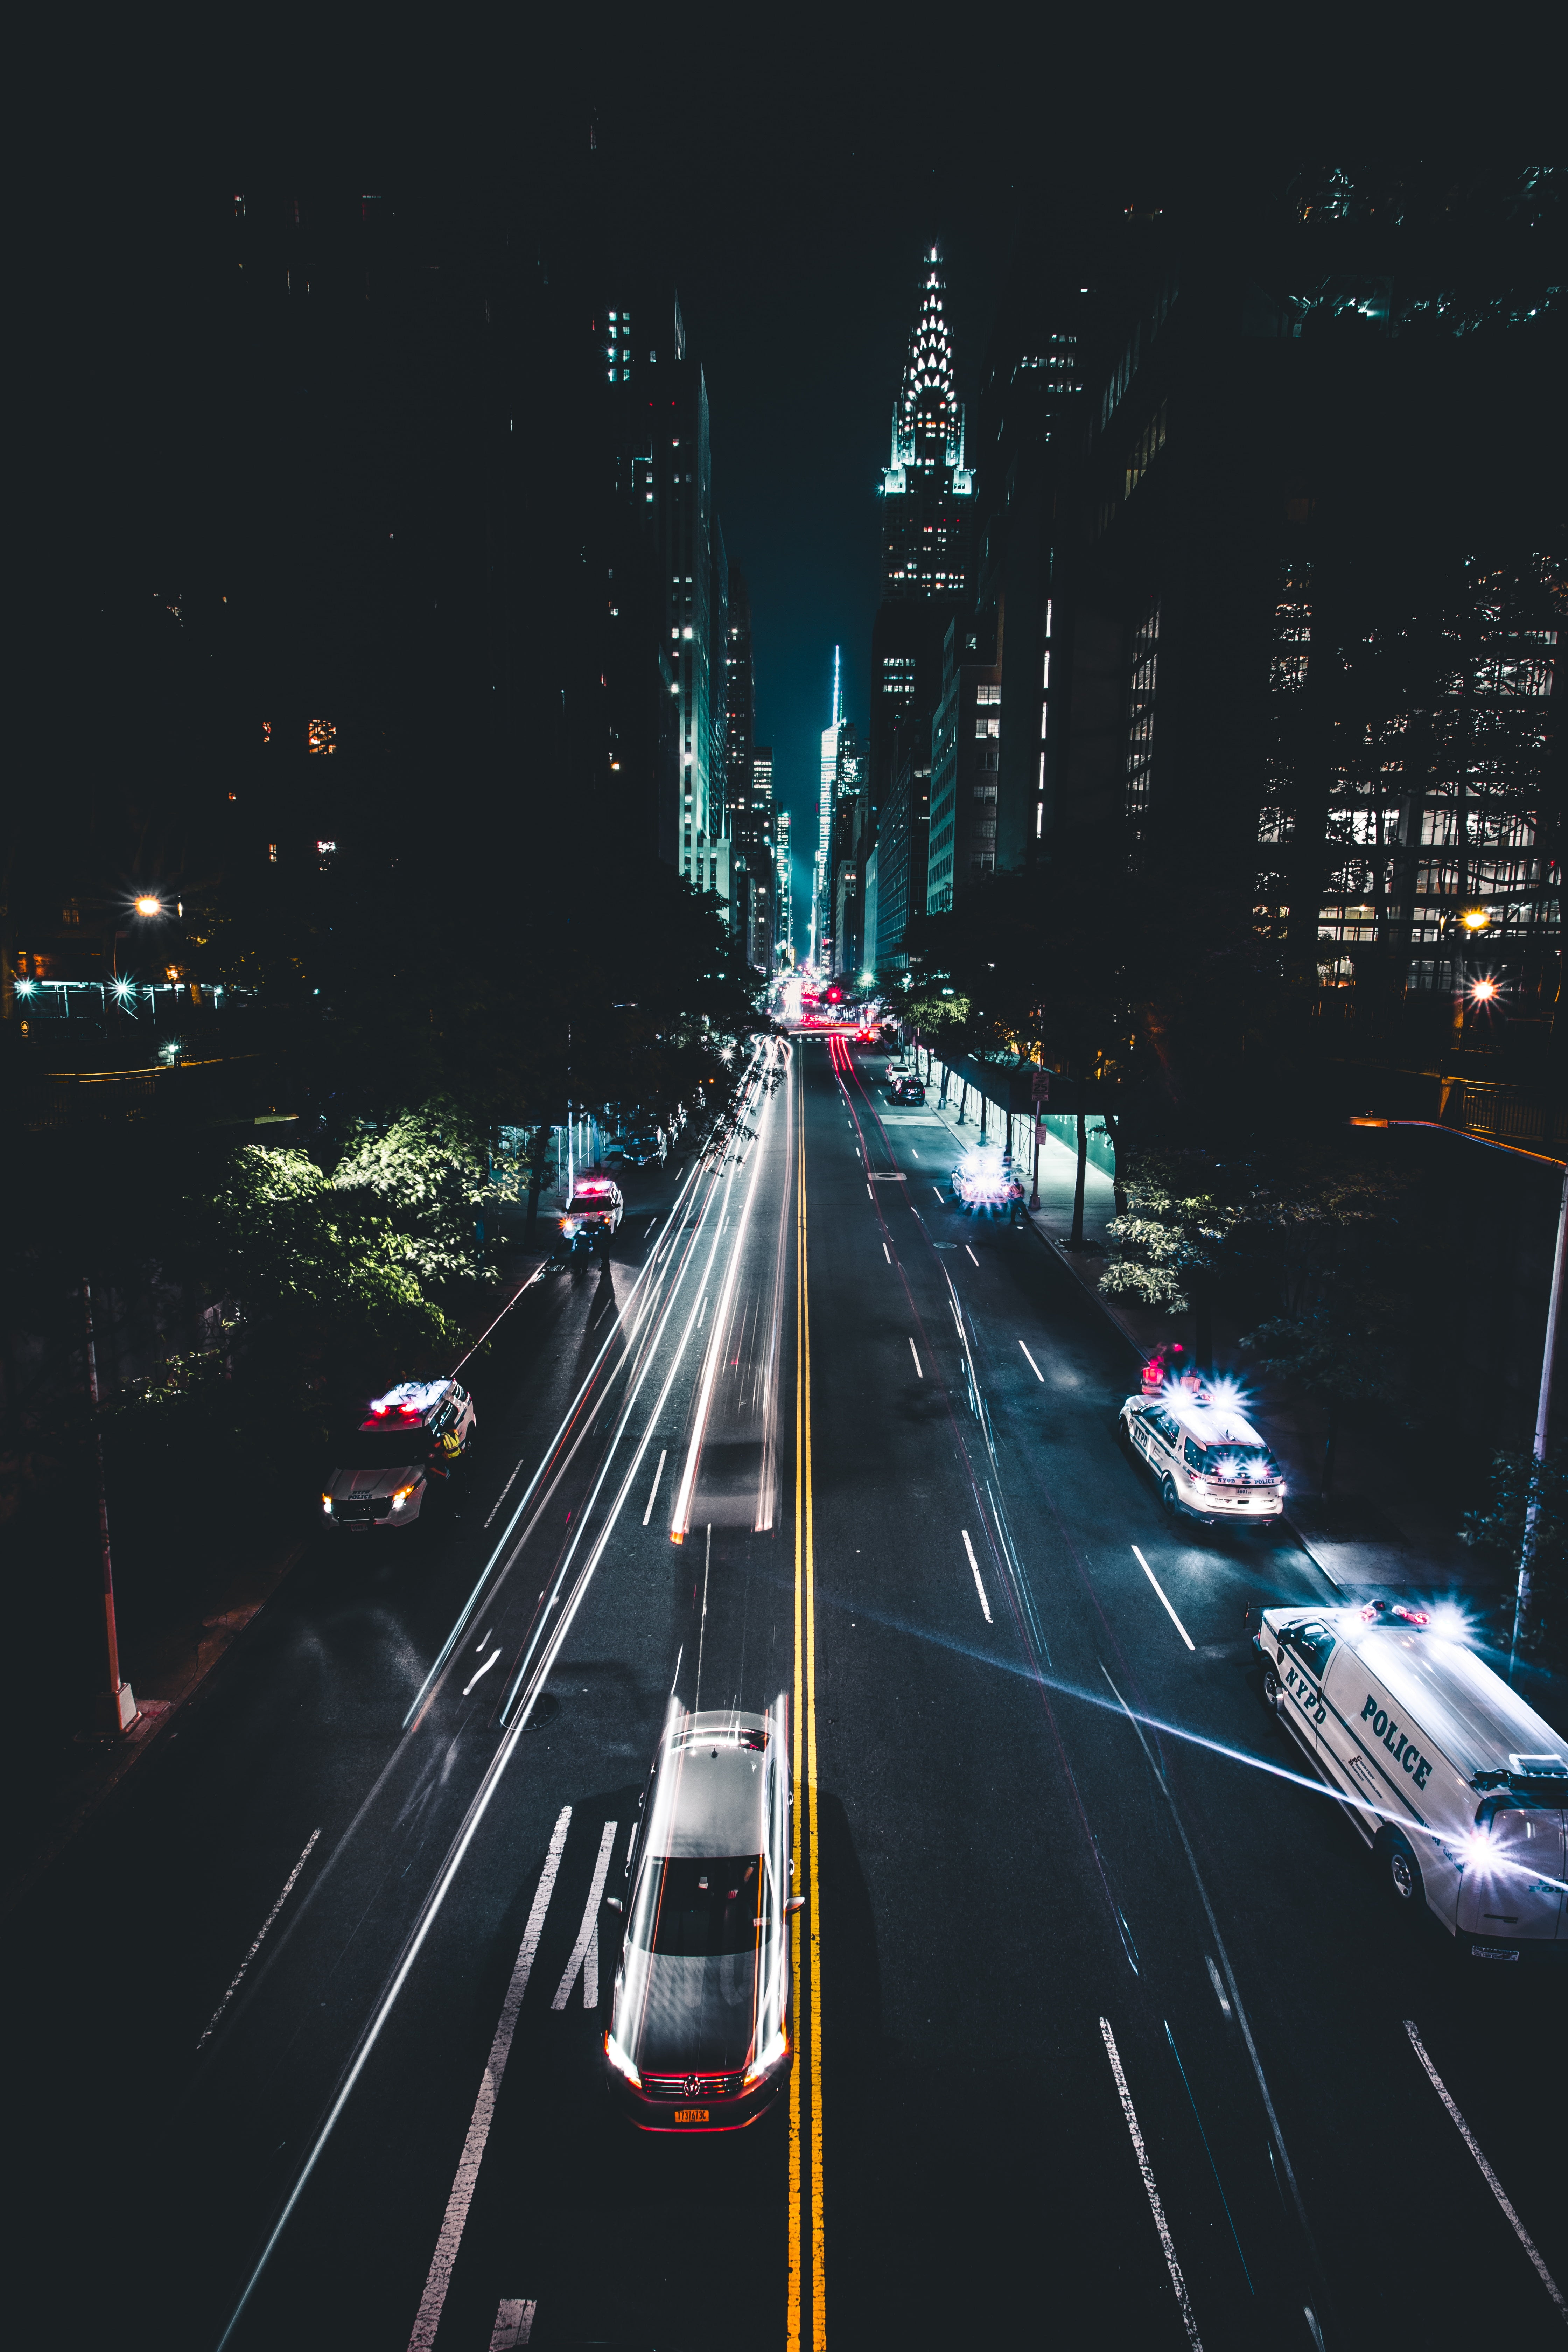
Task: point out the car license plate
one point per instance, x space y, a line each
692 2115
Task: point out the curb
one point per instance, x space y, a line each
160 1713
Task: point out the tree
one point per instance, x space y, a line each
1170 1242
1343 1354
1527 1502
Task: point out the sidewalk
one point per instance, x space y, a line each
1378 1531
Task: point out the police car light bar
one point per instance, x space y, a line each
410 1401
1376 1609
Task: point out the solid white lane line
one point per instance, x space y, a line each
586 1951
506 1489
1488 2176
514 2326
937 1190
887 1253
1146 2170
916 1153
974 1564
869 1195
483 1671
915 1352
1031 1363
1219 1991
654 1488
462 2195
703 1316
970 1254
288 1889
1164 1603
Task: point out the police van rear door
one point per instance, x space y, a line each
1513 1871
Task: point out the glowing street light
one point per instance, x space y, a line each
1476 919
149 905
1483 991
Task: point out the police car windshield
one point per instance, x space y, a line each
386 1449
1231 1461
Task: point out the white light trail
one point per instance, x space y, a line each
1031 1363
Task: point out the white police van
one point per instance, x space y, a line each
1456 1784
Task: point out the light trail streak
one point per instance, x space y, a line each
679 1526
465 1615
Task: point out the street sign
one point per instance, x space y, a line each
1042 1132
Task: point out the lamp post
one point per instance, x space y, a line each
1554 1303
114 1707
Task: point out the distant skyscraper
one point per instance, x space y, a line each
926 487
822 916
785 895
927 495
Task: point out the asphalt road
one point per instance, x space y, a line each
1101 2031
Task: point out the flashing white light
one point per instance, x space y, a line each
1228 1396
1449 1620
568 1226
1477 1847
27 987
621 2063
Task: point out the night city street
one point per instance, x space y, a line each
783 1443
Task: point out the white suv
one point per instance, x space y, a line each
1210 1462
414 1436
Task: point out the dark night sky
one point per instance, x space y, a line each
789 169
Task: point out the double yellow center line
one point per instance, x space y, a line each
807 2311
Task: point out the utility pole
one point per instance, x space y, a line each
1543 1395
114 1707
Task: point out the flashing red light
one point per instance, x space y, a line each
835 995
1396 1608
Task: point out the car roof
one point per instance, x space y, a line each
710 1795
1211 1424
409 1405
1471 1714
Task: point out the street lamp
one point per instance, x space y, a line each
148 903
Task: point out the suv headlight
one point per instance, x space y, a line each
326 1502
621 2063
774 2053
403 1494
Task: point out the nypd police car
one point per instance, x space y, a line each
1206 1458
411 1438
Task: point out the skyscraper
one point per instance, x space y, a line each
927 484
822 895
926 493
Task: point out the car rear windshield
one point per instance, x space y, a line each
385 1449
698 1907
1231 1461
587 1201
